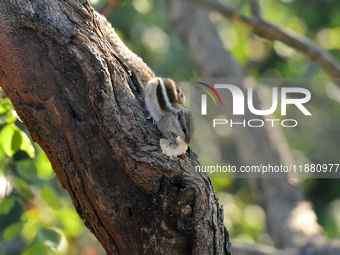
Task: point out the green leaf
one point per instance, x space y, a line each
7 205
2 160
26 144
50 196
35 248
12 139
71 222
44 167
26 169
16 141
6 136
50 237
6 111
3 110
22 187
12 231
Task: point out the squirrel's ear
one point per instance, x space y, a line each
179 114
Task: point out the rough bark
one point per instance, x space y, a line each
77 89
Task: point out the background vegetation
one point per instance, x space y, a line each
36 215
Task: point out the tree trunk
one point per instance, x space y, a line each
78 90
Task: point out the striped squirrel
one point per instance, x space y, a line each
165 101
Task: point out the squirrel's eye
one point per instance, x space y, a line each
184 130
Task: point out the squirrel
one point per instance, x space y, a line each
165 103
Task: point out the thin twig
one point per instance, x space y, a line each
258 249
269 31
109 7
255 8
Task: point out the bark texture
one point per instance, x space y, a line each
78 90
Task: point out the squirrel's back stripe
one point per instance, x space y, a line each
160 96
174 93
167 95
171 91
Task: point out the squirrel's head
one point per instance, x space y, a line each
185 122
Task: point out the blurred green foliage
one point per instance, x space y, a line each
37 216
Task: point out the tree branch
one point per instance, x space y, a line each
255 9
269 31
109 6
248 249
